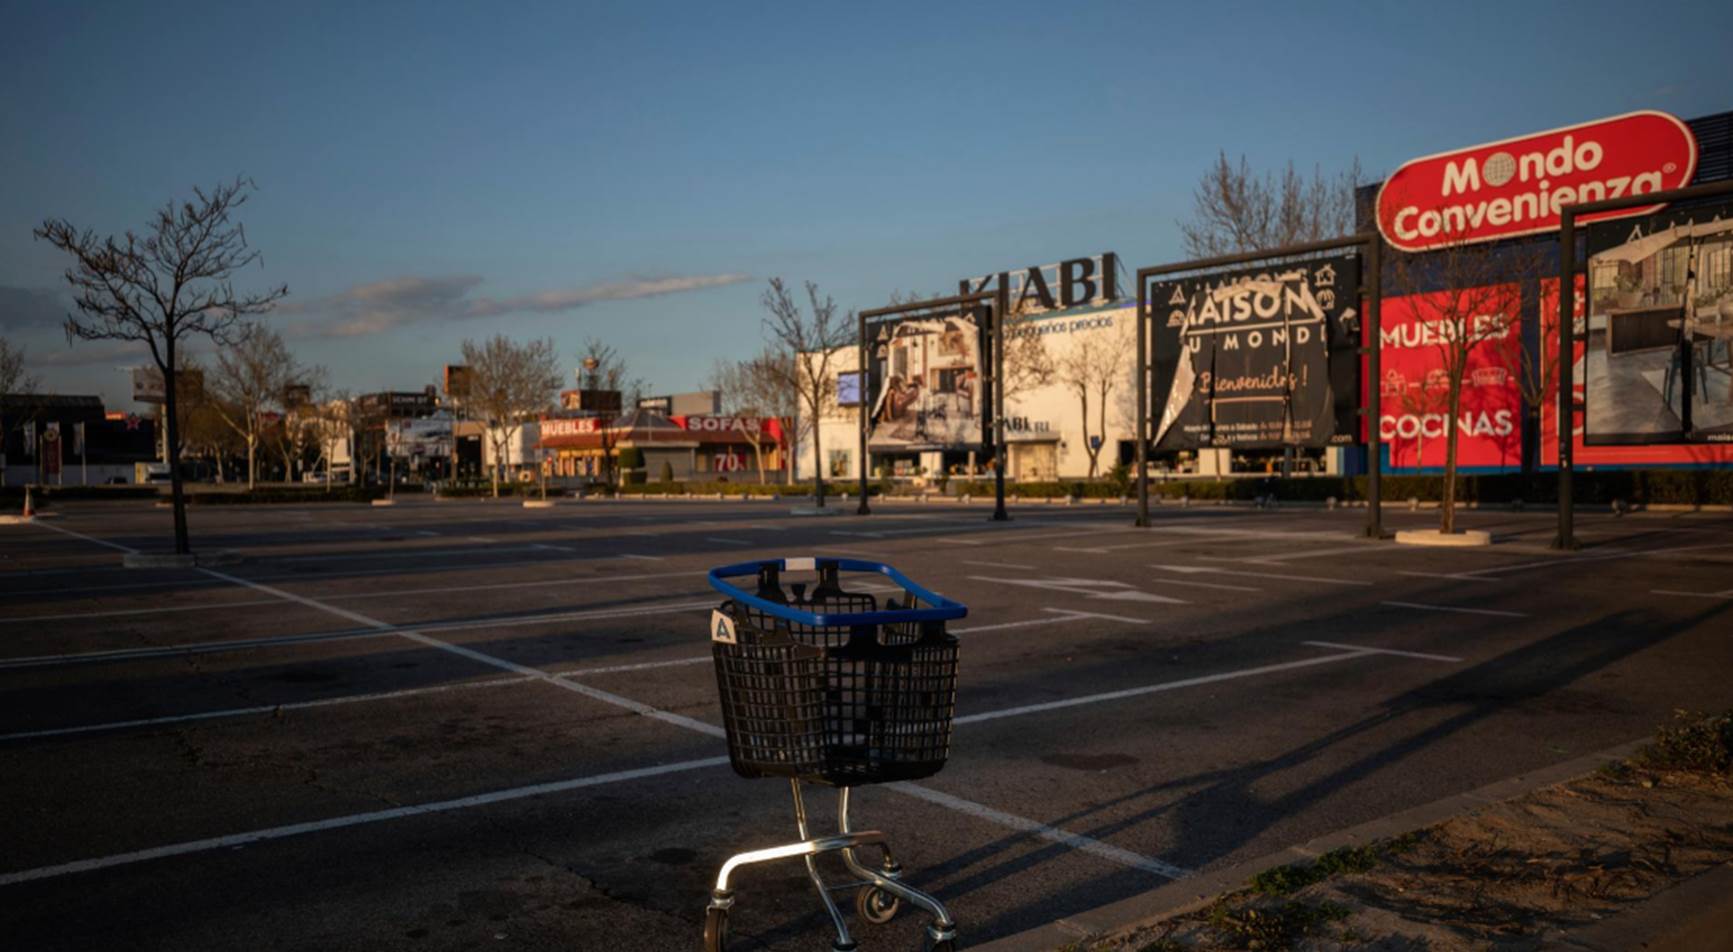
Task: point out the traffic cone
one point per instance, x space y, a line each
29 512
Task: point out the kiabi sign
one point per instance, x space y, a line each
1079 281
1520 186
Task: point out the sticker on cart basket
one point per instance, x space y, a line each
721 627
800 565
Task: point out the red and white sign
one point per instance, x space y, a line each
1414 396
770 427
1518 186
728 461
567 426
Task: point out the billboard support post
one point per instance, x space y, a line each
1374 386
861 401
1142 449
1567 407
1001 304
1369 243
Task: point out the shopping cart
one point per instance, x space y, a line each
821 685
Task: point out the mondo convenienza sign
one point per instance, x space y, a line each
1519 186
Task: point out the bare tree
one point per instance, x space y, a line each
753 389
602 369
13 381
1235 209
252 373
509 385
329 419
293 437
1091 369
803 345
163 287
1466 298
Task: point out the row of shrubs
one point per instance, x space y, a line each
1597 487
1640 487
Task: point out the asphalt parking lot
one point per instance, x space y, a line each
467 725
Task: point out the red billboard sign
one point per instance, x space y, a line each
1518 186
1414 392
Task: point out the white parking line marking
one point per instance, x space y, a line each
1456 609
133 611
104 542
643 558
401 553
1388 651
1032 622
999 565
956 541
296 829
1315 553
263 709
639 666
1076 841
1156 688
371 631
1666 591
1087 587
1189 583
1458 576
1604 556
1190 569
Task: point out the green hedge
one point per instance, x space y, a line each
730 489
1638 487
471 490
280 495
129 491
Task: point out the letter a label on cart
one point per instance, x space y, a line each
722 628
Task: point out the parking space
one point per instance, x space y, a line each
445 725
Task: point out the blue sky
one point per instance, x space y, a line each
429 172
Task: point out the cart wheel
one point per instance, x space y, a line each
876 905
715 929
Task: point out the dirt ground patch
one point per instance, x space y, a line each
1511 876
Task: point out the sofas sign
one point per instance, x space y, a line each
1519 186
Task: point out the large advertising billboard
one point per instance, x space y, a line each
928 376
1518 186
1259 358
1658 354
1417 348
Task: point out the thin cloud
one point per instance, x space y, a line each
30 308
382 306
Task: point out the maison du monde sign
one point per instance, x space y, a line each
1048 287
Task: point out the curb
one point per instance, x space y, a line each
1195 892
1695 914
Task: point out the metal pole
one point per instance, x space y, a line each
1374 281
1567 410
1142 402
861 395
1000 306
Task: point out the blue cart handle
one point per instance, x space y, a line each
943 609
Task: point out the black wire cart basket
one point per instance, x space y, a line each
826 686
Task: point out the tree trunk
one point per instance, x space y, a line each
817 457
172 431
758 451
252 460
1447 510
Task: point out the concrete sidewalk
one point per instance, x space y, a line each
1695 915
